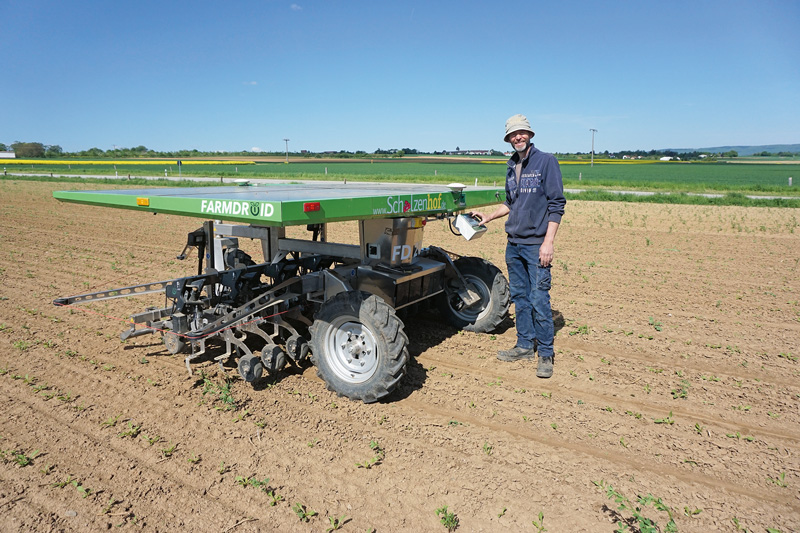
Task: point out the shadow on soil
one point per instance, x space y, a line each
429 330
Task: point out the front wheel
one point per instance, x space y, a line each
359 346
488 282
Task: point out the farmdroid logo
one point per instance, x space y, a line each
233 207
398 204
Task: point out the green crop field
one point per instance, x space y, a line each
673 178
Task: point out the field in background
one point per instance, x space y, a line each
672 177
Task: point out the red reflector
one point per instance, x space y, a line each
310 206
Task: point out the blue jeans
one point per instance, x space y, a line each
530 292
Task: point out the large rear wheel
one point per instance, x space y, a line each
489 283
358 346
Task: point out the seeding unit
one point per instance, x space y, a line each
332 303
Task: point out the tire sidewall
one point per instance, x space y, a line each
390 343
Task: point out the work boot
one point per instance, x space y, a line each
515 354
545 367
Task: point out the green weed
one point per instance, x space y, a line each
449 520
221 391
336 523
637 518
111 422
253 482
666 420
779 481
169 450
302 513
539 525
132 431
376 459
275 498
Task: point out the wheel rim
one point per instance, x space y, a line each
477 311
353 350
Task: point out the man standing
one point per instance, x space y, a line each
534 205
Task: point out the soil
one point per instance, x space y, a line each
676 376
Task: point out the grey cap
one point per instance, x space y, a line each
515 123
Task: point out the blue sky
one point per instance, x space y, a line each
430 75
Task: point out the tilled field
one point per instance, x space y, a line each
677 376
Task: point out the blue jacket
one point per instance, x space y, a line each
538 199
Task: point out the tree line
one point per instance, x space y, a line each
36 150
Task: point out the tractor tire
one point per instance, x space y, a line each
492 286
359 346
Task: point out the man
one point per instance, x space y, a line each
534 205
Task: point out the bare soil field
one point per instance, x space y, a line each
676 376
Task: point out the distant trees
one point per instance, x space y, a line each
53 150
28 150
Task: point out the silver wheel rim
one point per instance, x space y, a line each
353 350
477 311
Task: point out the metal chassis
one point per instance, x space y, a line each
304 272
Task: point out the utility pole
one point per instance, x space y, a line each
593 132
287 150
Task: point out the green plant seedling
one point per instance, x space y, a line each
336 523
502 513
22 459
194 459
644 523
151 440
222 392
275 498
667 420
779 481
62 484
111 503
253 482
302 513
449 520
487 448
84 491
680 392
168 451
66 397
377 459
539 525
132 431
691 513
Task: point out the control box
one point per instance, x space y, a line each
469 227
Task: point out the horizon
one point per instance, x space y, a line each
433 77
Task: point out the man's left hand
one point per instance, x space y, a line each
546 252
